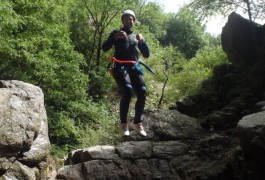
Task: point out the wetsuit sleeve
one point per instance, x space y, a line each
144 49
110 41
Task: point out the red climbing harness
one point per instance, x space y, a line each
114 60
123 61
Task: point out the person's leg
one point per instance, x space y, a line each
140 91
139 88
125 87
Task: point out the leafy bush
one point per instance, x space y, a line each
86 124
35 47
166 62
199 68
105 131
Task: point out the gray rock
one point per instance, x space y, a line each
169 149
174 149
134 150
243 40
71 172
251 130
260 106
100 152
96 152
253 122
171 125
24 142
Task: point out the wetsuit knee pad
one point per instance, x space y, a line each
127 91
143 88
128 86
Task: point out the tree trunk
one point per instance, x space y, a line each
249 10
163 91
98 51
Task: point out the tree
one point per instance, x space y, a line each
152 16
91 23
253 8
35 47
99 16
185 32
195 71
172 62
166 62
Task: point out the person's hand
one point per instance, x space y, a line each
121 35
140 37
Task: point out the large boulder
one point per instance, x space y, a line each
24 142
243 40
251 130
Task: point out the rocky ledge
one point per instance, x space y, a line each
176 148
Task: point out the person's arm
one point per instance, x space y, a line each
143 46
110 41
144 49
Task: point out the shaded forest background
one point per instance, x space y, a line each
56 45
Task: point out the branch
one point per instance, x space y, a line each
91 13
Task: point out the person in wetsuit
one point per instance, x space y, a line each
129 77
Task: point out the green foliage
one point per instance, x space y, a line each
151 15
62 129
106 131
90 20
86 123
36 48
101 83
166 62
198 69
81 30
205 8
185 32
98 15
60 151
93 125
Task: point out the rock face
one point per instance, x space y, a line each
176 148
243 41
24 142
232 100
234 89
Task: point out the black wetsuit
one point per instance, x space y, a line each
128 77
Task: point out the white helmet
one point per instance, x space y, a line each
129 12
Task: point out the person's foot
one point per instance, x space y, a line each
138 128
125 129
